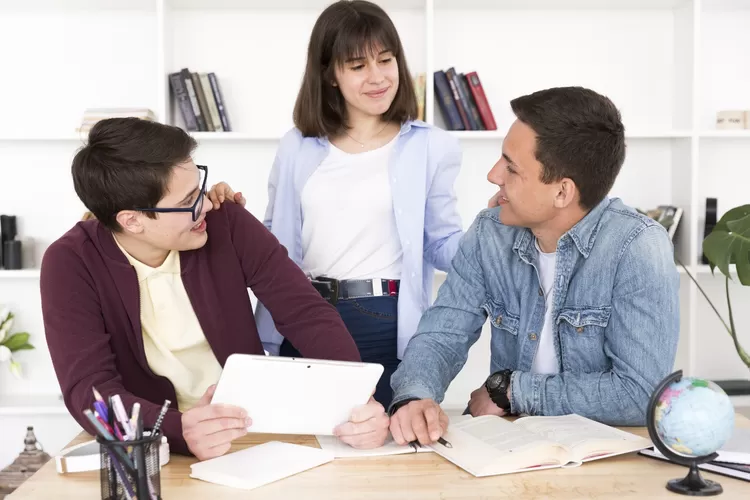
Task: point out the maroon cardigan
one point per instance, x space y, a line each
91 309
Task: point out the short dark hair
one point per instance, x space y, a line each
346 30
127 164
579 135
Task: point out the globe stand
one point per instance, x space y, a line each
693 483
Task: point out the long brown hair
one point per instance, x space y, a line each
346 30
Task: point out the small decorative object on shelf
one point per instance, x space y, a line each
462 101
733 119
30 460
10 247
200 101
11 343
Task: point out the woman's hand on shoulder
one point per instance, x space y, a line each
221 192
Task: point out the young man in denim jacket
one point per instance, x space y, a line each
581 290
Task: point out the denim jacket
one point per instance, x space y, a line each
615 310
423 167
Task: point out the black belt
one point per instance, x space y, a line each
334 290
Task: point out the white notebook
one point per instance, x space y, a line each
259 465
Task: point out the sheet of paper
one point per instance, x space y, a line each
343 450
260 465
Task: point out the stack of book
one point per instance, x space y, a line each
93 115
198 97
462 101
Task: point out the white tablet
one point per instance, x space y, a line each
295 395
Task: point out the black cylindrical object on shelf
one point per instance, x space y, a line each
12 254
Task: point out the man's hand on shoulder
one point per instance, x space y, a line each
420 420
367 427
221 192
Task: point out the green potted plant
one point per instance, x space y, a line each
11 343
728 243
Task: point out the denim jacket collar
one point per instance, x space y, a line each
583 234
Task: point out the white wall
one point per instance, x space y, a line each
668 64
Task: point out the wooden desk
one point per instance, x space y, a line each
415 476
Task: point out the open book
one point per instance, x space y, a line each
490 445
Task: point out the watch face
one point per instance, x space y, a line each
494 381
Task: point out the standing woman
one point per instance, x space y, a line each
360 193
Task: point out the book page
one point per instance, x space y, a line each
587 438
491 445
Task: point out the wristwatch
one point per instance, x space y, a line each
497 387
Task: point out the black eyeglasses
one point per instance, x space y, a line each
197 207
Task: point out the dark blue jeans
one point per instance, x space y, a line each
372 324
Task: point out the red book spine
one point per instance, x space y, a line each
475 85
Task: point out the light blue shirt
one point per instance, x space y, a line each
423 167
615 311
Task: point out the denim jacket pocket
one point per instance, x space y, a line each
581 331
500 318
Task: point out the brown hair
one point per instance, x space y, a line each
126 164
345 30
579 135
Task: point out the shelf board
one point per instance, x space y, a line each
725 134
316 5
32 404
45 138
85 5
232 136
19 274
561 4
638 134
706 269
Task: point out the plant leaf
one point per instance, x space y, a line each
24 347
729 242
16 340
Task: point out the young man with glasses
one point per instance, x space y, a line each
149 299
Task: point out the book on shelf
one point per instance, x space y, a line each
198 97
419 89
462 101
93 115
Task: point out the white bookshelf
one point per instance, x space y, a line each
669 65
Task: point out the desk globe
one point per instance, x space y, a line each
688 420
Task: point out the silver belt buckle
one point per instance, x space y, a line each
377 287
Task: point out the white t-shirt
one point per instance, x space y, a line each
348 226
545 360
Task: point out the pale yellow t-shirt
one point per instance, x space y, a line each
173 339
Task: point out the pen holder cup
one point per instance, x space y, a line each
130 469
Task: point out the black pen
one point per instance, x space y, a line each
415 444
444 443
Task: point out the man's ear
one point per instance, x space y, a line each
567 193
130 221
